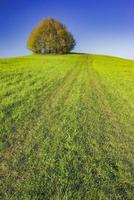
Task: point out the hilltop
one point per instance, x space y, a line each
66 126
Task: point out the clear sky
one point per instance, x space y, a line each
99 26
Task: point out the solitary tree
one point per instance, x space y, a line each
50 36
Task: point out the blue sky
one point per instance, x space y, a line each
99 26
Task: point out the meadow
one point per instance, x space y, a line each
67 127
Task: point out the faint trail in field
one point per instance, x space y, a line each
101 139
71 147
45 121
63 130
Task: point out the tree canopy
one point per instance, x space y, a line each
50 36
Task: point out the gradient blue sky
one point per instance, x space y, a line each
99 26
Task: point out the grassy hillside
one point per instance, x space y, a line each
67 128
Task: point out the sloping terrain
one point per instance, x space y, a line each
67 128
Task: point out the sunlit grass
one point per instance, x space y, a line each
67 127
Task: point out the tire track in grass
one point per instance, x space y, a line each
95 165
54 181
70 151
81 167
81 149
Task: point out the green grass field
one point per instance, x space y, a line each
67 128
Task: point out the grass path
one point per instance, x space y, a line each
62 137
